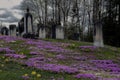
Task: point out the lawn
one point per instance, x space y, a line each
48 59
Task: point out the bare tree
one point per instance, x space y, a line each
60 11
37 7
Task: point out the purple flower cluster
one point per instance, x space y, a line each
81 62
35 53
7 50
80 58
8 38
108 78
51 48
86 76
36 59
107 65
87 48
15 56
57 68
86 67
48 46
39 63
60 56
32 62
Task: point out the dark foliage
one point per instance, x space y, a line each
111 23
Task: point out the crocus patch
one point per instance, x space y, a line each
86 76
62 57
15 56
88 48
57 68
56 57
107 65
6 50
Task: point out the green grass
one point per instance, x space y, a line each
13 70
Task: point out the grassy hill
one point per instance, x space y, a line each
26 59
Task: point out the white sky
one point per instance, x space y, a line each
9 3
6 7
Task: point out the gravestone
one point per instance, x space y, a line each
4 31
42 33
28 25
59 32
98 36
12 30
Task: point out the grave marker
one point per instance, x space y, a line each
59 32
12 29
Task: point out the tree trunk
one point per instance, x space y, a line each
46 3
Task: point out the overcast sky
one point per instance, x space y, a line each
10 12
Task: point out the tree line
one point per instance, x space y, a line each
79 17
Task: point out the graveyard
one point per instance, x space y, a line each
60 40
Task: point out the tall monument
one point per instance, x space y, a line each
28 23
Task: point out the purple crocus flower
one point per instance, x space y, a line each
15 56
60 56
86 48
86 76
7 50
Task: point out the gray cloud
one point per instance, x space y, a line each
6 14
12 15
18 7
2 9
